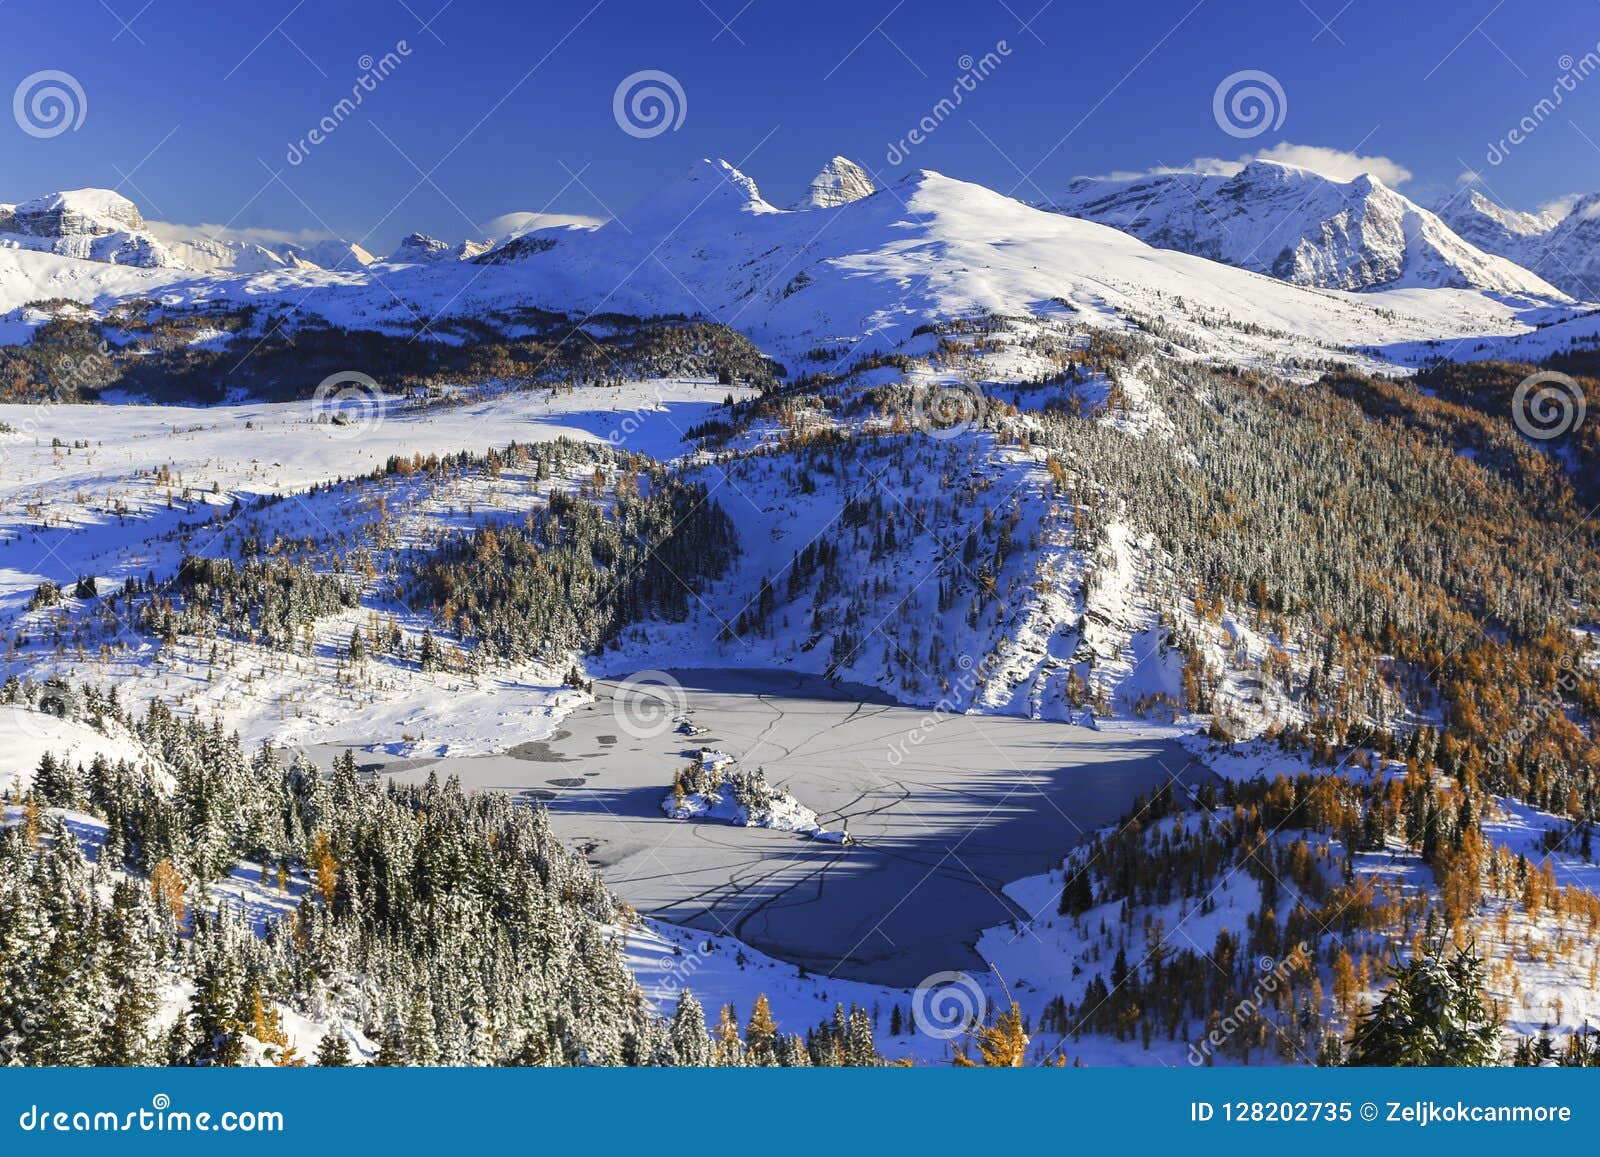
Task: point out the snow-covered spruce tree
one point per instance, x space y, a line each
1434 1014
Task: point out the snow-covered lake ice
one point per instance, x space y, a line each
940 825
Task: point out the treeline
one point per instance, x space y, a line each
150 351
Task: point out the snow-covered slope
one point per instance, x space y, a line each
1562 248
1297 225
28 276
922 251
840 182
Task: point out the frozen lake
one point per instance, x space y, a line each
940 825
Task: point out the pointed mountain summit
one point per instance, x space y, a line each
840 182
709 188
1299 226
333 253
1561 245
1492 227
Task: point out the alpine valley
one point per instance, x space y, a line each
1148 626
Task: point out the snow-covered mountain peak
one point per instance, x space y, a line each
88 224
1298 225
101 225
1261 169
1560 244
92 212
710 187
1514 219
840 182
1492 226
415 248
333 253
715 177
421 249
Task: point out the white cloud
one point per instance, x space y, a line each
1335 164
1205 166
1561 208
513 224
170 232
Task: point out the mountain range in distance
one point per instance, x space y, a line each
1269 217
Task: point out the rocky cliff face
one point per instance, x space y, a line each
840 182
75 213
420 249
86 224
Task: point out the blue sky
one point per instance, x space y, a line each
191 109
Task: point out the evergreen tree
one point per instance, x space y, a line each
334 1052
691 1045
1434 1013
1077 894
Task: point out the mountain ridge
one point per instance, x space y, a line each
1560 245
1299 226
922 251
